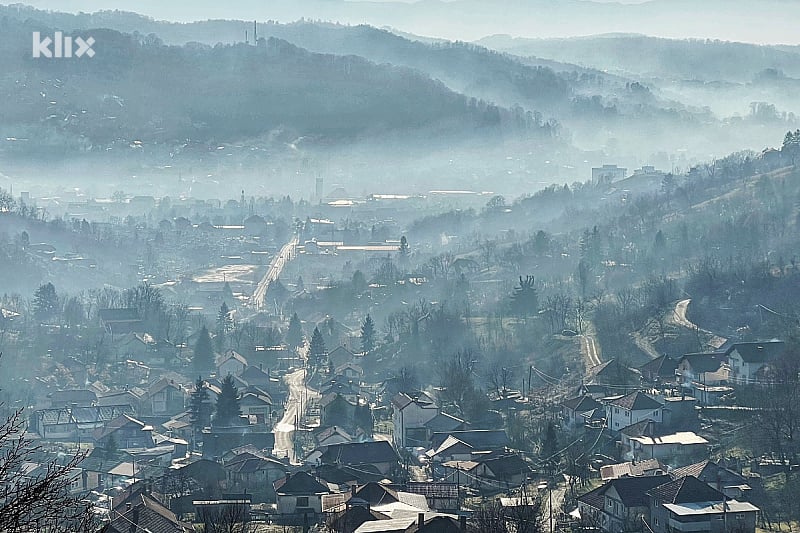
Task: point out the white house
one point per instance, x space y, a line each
632 408
746 359
299 493
681 444
409 418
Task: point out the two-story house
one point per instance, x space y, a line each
165 397
733 485
299 494
254 474
256 404
619 504
411 412
702 375
573 408
688 504
747 359
632 408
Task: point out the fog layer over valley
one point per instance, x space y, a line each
359 267
361 104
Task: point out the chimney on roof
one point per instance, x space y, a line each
353 489
421 519
127 506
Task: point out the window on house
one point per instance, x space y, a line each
616 411
302 501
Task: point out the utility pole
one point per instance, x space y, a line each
550 490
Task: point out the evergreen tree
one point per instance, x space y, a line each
45 302
525 299
110 447
228 410
199 406
549 450
368 335
294 335
224 319
227 292
362 418
203 352
359 282
316 350
276 292
404 248
660 242
224 326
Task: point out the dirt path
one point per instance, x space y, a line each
590 350
678 317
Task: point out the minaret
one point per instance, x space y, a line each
242 204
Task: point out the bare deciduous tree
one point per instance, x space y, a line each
231 517
42 501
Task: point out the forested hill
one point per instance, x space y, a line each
136 88
640 55
465 68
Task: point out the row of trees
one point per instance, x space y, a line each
226 411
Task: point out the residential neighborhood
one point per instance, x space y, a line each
400 266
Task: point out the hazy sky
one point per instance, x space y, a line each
773 22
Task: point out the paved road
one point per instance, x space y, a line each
284 430
275 268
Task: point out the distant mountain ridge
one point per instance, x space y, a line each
772 21
137 89
645 56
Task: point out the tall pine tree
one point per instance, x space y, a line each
228 410
224 319
368 335
199 406
294 335
203 352
316 350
